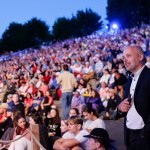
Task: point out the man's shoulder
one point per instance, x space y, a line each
146 71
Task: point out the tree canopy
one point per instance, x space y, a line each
84 23
34 32
19 36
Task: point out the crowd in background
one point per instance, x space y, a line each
29 83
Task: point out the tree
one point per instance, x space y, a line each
13 38
87 22
37 32
84 23
129 13
19 36
62 28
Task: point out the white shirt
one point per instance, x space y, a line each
105 78
98 123
83 140
68 135
134 120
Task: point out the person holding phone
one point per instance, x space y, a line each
136 109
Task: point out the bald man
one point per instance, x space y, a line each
136 108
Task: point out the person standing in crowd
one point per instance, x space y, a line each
136 108
67 81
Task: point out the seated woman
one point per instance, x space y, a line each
88 91
103 92
37 101
47 102
52 122
73 112
78 101
94 101
20 129
28 101
92 119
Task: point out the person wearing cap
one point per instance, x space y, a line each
98 139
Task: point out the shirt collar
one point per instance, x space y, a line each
136 74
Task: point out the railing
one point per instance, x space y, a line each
7 143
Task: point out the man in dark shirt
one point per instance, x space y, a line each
120 81
18 106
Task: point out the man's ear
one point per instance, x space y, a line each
141 57
98 145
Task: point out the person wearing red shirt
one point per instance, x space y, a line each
46 77
28 101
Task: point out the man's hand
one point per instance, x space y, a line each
124 106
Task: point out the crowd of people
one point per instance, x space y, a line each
86 74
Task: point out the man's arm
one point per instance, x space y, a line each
123 108
59 79
69 143
58 144
63 144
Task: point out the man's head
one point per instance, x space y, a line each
15 98
75 124
134 58
98 139
65 67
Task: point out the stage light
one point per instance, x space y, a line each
115 26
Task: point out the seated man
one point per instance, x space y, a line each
99 140
75 127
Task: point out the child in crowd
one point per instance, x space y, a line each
79 142
65 130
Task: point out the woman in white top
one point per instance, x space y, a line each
92 119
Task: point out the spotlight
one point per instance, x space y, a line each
115 26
